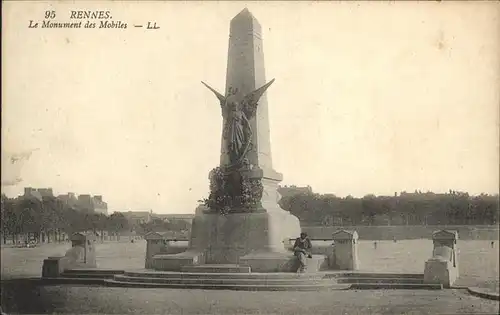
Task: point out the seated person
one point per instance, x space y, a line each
302 249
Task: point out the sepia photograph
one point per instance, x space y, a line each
250 157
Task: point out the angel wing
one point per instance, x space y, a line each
250 101
221 97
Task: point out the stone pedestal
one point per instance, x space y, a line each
325 248
53 266
346 250
443 266
254 239
87 242
155 246
251 239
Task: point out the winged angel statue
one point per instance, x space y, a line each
237 131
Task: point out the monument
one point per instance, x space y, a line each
241 222
240 227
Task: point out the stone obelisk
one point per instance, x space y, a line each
254 238
246 73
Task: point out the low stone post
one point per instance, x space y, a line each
346 250
442 267
80 255
155 245
87 242
52 267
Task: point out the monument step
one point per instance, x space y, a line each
94 271
395 286
216 268
228 281
88 275
380 280
204 275
243 287
70 280
376 275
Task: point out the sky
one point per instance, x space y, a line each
369 97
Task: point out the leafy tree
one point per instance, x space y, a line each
117 223
52 217
408 208
29 217
9 219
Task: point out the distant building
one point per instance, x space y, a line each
171 217
46 192
69 199
99 205
32 193
37 193
138 217
92 204
83 202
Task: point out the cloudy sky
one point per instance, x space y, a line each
368 98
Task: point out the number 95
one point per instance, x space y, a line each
50 14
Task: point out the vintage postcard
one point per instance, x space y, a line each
231 157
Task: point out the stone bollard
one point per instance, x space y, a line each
155 245
53 267
346 250
87 242
443 266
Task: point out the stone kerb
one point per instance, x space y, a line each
345 256
442 267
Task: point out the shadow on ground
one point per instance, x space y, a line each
22 298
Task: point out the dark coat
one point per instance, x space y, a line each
302 245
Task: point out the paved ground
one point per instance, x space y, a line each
478 261
86 300
478 267
27 262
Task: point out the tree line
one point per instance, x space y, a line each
452 208
50 219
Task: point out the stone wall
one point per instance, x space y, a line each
404 232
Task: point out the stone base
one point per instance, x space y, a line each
345 257
175 262
217 268
75 257
440 271
53 266
227 239
282 262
